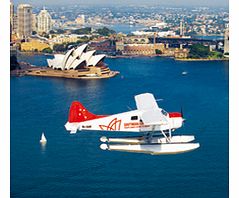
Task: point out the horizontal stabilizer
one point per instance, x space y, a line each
72 127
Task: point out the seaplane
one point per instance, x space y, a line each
153 123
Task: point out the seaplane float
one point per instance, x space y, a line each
154 123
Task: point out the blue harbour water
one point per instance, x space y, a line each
74 165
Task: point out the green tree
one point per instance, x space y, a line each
60 31
199 51
47 50
105 31
157 51
86 30
52 32
59 47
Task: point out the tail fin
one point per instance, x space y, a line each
78 113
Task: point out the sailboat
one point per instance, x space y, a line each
43 138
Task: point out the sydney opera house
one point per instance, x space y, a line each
76 59
76 63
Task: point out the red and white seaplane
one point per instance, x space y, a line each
155 123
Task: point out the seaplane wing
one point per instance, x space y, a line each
146 101
151 113
153 117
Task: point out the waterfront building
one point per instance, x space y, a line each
24 15
119 46
181 53
135 40
226 41
104 46
142 49
59 39
44 23
78 58
34 45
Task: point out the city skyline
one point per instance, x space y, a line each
174 3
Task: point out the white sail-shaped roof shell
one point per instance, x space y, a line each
69 62
74 57
76 63
67 55
76 54
58 58
95 59
50 62
87 56
78 51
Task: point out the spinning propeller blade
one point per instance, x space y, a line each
182 116
182 111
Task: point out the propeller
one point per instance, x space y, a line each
184 120
181 112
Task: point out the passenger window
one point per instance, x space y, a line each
134 118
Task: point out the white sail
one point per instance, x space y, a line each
43 138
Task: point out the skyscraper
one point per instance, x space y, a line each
80 19
11 19
34 22
44 23
24 15
11 13
181 28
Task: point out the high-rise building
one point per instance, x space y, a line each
80 19
226 40
34 22
11 19
24 15
14 25
44 22
11 13
182 28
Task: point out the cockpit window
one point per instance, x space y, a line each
164 112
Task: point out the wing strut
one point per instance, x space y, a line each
166 137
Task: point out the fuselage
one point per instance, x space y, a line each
130 121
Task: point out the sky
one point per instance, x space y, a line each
211 3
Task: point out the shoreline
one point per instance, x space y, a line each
201 59
140 56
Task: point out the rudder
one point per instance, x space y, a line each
78 113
